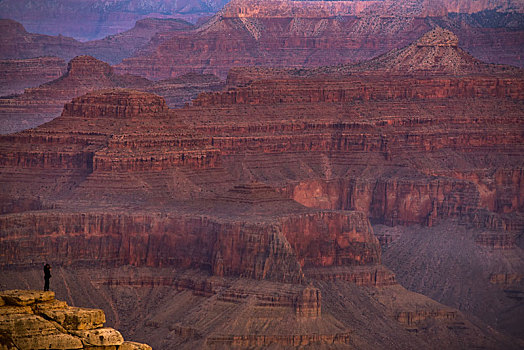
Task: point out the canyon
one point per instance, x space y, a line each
320 33
283 210
90 20
17 43
186 59
281 33
43 103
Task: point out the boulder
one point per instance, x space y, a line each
101 337
129 345
23 298
59 341
49 305
76 318
34 332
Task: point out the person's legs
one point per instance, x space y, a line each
46 285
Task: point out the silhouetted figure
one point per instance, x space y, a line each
47 276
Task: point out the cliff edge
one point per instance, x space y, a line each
36 320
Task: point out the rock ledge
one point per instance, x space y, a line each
36 320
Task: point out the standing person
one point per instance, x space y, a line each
47 276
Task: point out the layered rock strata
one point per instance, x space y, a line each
493 277
320 33
282 8
268 33
87 20
18 43
433 192
36 320
190 309
16 75
120 45
40 104
273 186
241 246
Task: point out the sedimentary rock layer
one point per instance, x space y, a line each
189 309
242 247
40 104
271 186
283 8
319 33
36 320
299 33
17 43
88 20
16 75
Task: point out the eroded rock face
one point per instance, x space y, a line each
45 323
494 268
84 74
76 319
192 309
137 134
259 199
439 38
87 67
124 44
86 20
283 8
100 337
41 104
115 104
17 43
16 75
268 33
24 298
273 251
320 33
436 53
